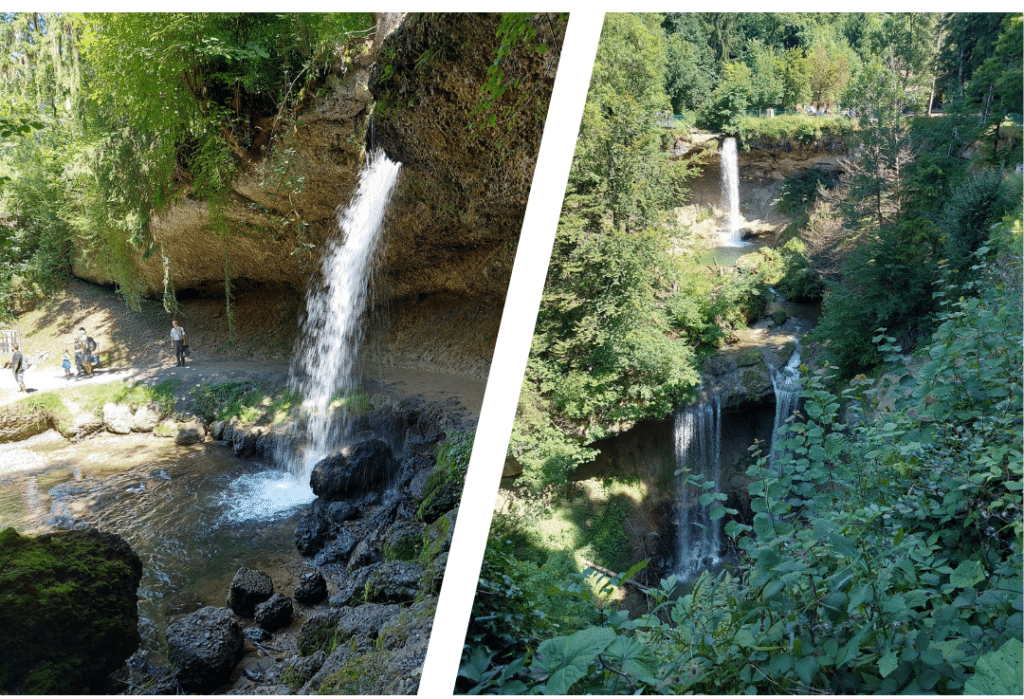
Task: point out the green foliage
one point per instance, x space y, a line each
795 130
885 550
250 400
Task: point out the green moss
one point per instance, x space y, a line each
434 539
361 675
68 610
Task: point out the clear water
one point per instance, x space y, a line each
176 510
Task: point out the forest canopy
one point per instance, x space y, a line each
881 552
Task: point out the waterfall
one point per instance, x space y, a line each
323 369
731 193
698 449
786 385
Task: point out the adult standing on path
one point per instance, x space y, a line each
18 367
178 338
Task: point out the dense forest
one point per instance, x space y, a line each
107 118
884 550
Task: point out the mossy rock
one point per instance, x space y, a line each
403 542
439 500
68 610
437 538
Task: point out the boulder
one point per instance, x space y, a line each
353 470
337 550
117 418
68 611
244 441
394 581
312 589
146 418
204 647
312 531
275 613
248 589
189 433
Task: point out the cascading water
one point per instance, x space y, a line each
698 450
324 368
786 385
731 193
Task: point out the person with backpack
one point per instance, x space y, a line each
86 346
18 367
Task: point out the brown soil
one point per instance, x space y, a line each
434 350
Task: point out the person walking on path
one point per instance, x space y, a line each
178 338
87 345
18 367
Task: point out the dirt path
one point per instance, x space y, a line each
135 346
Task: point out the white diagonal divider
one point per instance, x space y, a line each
513 345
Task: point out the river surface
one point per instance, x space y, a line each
174 504
166 501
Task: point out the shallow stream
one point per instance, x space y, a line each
168 502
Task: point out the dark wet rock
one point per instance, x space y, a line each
312 589
249 588
350 588
217 429
305 667
68 611
366 622
204 647
366 553
312 532
353 470
244 442
394 581
318 632
255 634
228 431
437 538
337 550
266 445
441 499
275 613
339 512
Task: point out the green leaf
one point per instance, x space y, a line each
967 574
887 663
999 672
566 659
807 668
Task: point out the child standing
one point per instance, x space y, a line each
66 363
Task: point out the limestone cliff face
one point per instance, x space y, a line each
455 220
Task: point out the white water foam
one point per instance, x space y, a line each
698 449
324 368
731 193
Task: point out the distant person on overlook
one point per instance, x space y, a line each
178 339
18 367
